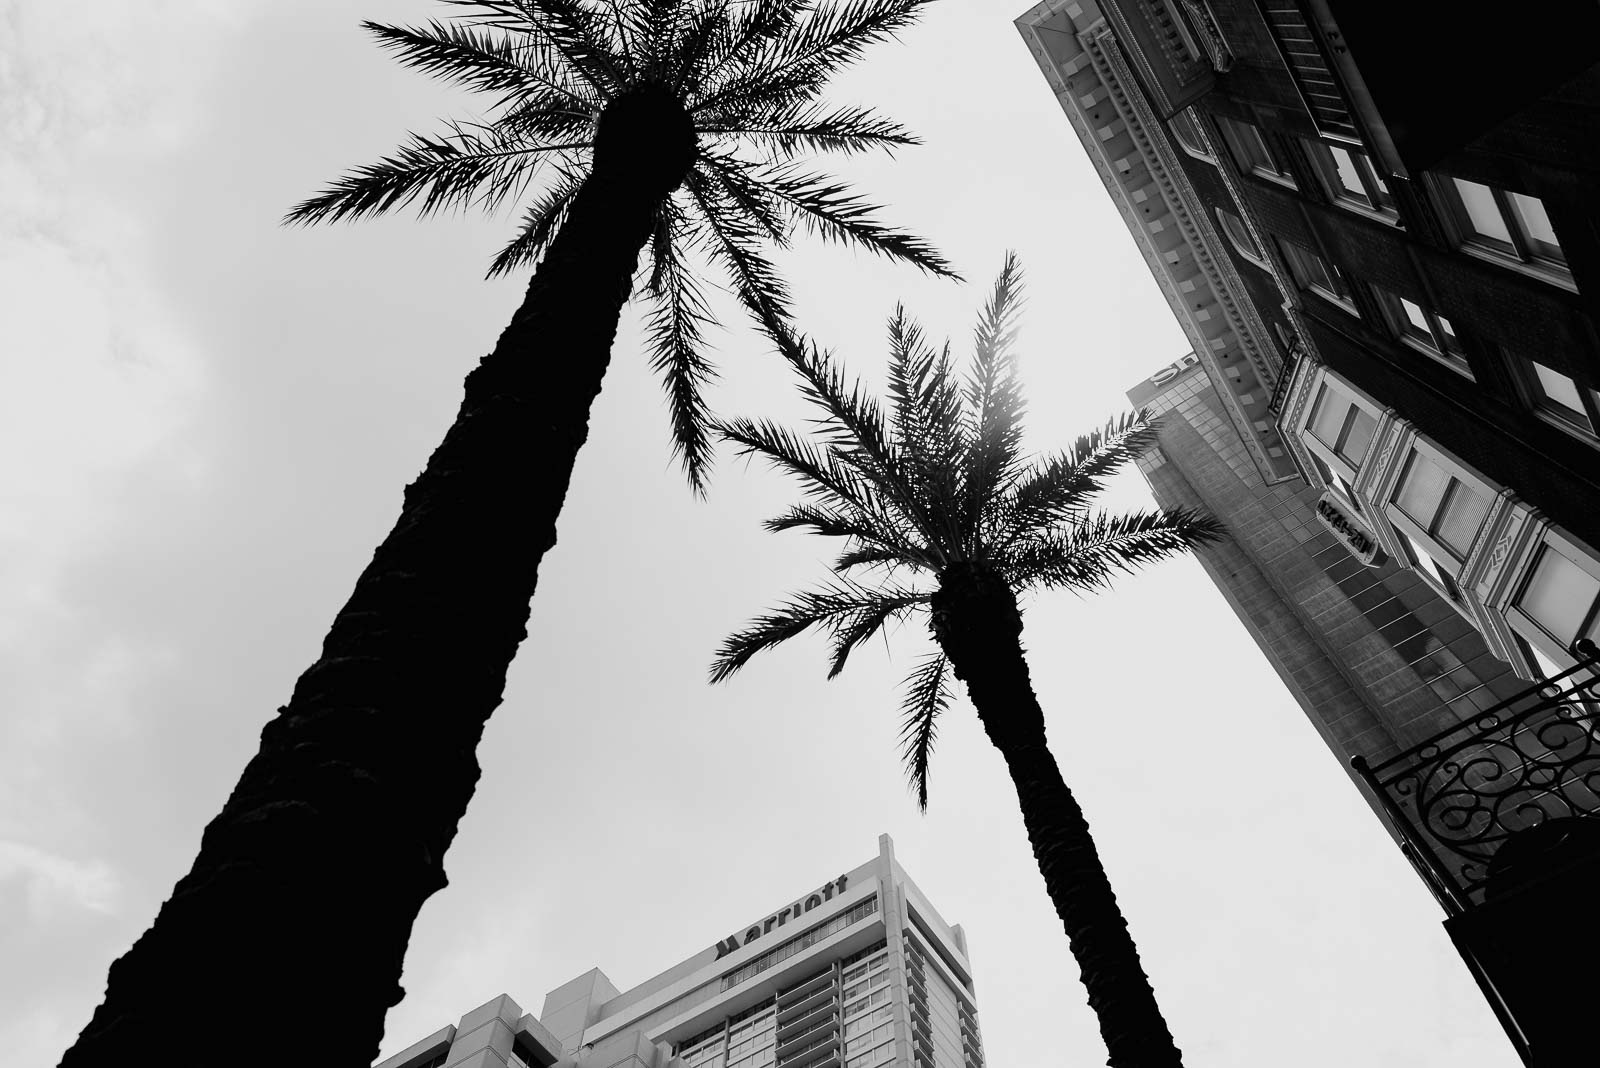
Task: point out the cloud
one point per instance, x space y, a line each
52 884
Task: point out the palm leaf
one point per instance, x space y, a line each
841 601
1091 551
926 696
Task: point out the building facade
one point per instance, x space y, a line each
1375 225
857 972
1420 259
1376 658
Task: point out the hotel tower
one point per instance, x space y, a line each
856 971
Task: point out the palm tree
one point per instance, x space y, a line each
675 126
938 505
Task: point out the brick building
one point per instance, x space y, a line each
1375 224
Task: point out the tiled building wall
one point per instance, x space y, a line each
1376 658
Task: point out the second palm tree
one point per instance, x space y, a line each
937 486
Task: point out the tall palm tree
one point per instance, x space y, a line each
675 126
943 513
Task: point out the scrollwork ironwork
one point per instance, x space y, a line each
1458 796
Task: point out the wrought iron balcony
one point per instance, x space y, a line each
1456 798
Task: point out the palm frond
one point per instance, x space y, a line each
794 64
478 61
674 335
1060 486
734 242
828 209
872 555
994 401
845 130
539 226
927 695
849 631
1089 553
840 601
457 170
577 33
820 472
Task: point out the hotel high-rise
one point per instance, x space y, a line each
857 970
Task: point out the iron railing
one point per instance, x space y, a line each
1454 799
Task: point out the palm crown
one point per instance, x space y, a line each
937 481
748 75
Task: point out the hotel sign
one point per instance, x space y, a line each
1174 369
783 915
1331 514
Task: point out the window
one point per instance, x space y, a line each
1350 177
1424 328
1239 234
1250 151
1559 597
1443 507
1312 272
1186 130
1343 426
1511 225
1560 395
1423 562
800 943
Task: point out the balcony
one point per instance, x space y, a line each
807 1014
815 1054
791 1049
1456 798
804 990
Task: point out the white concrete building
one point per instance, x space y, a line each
858 971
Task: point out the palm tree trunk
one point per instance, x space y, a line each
978 625
284 943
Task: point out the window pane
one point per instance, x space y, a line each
1183 128
1349 175
1558 595
1422 490
1463 515
1558 387
1536 226
1358 436
1447 335
1482 210
1238 233
1327 417
1413 314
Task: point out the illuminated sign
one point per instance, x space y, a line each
783 915
1174 369
1331 514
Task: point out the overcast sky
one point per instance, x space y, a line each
207 421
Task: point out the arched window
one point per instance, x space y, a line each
1239 234
1187 134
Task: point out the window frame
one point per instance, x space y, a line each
1530 630
1519 252
1445 573
1441 342
1374 198
1250 151
1583 423
1296 256
1347 474
1253 253
1198 149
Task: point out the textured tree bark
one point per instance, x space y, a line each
284 943
978 625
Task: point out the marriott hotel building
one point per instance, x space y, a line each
856 971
